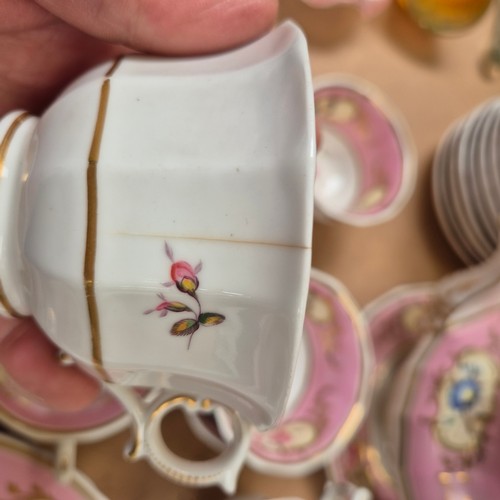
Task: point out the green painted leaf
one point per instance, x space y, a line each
178 307
211 319
184 327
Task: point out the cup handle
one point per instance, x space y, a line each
148 443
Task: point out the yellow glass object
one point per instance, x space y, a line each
445 15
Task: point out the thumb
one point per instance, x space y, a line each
169 26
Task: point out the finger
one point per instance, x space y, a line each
40 55
169 26
31 362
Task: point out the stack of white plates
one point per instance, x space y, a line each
466 183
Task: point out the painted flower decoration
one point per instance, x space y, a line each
464 394
185 278
466 399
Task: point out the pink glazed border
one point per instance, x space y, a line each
429 469
24 473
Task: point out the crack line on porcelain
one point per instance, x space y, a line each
214 239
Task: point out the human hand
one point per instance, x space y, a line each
44 44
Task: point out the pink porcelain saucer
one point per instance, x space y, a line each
27 474
102 411
366 163
28 415
449 420
396 321
103 418
330 395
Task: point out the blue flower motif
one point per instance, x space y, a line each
464 394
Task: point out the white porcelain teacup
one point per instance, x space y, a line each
156 221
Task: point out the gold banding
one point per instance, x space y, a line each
133 453
192 404
114 66
4 145
91 241
90 251
180 400
4 148
206 405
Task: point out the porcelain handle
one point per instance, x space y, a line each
148 442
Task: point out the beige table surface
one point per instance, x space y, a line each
432 81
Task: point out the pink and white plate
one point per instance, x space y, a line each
446 418
27 473
31 417
396 321
27 414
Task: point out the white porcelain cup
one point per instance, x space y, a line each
157 220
